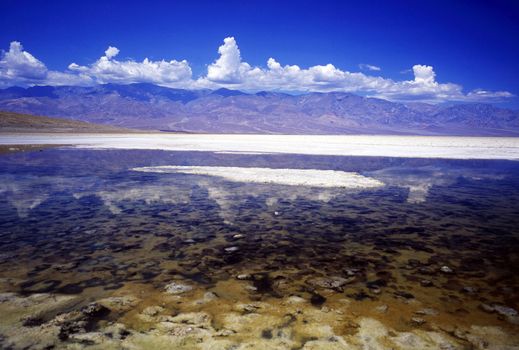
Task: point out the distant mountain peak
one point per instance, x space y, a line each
272 94
145 105
227 92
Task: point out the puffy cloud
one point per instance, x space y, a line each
18 67
228 68
108 70
230 71
424 74
364 66
273 64
423 87
111 52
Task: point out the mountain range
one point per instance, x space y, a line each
148 106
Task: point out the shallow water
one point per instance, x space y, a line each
440 235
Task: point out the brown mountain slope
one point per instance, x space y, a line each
17 122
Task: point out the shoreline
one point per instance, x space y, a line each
443 147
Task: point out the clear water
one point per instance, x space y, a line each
81 222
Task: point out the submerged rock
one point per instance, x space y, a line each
7 297
446 269
509 313
505 310
198 319
294 299
427 312
426 270
469 290
418 320
95 310
177 288
500 309
231 249
489 337
382 309
248 308
372 334
152 310
119 303
426 283
404 294
351 272
244 276
487 308
330 282
89 338
72 327
251 288
208 297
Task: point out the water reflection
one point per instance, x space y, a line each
440 233
29 189
420 180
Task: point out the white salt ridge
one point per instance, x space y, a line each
291 177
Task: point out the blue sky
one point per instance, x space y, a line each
400 50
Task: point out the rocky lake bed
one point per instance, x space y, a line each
407 253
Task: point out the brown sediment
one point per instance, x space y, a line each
272 306
7 149
233 315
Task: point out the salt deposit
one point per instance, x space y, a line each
344 145
296 177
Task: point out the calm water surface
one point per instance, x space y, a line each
441 235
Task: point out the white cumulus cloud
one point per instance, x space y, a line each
109 70
229 70
111 52
19 67
424 74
